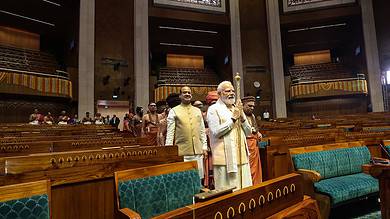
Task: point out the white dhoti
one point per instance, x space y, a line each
223 179
199 159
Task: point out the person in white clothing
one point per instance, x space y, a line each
228 129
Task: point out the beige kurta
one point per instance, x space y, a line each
185 128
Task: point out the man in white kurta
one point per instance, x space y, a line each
185 128
228 129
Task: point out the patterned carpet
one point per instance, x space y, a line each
373 215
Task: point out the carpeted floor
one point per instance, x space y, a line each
365 209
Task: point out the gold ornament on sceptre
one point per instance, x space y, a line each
238 90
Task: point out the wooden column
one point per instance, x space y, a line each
372 57
86 58
276 59
141 52
235 37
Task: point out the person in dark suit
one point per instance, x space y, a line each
114 122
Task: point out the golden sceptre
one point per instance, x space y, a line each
238 124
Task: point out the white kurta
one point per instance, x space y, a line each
228 168
223 179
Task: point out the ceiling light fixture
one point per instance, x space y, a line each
53 3
28 18
188 29
186 45
317 27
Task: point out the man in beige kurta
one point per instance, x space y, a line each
228 129
252 140
185 128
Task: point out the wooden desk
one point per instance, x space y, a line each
273 199
382 172
82 181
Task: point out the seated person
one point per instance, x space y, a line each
99 120
35 118
75 120
48 119
63 118
87 120
34 122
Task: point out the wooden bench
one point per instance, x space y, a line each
26 200
82 181
53 130
27 148
336 170
150 191
277 152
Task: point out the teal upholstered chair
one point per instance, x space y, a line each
26 200
150 191
338 172
387 147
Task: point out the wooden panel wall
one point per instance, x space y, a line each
114 38
185 61
19 38
17 108
327 107
315 57
255 52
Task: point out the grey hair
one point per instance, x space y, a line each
222 85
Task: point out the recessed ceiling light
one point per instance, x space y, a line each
187 29
53 3
28 18
186 45
317 27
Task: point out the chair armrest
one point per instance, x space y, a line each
128 213
379 160
366 168
314 176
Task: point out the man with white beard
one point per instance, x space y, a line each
228 129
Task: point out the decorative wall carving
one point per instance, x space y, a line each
209 5
299 5
251 203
